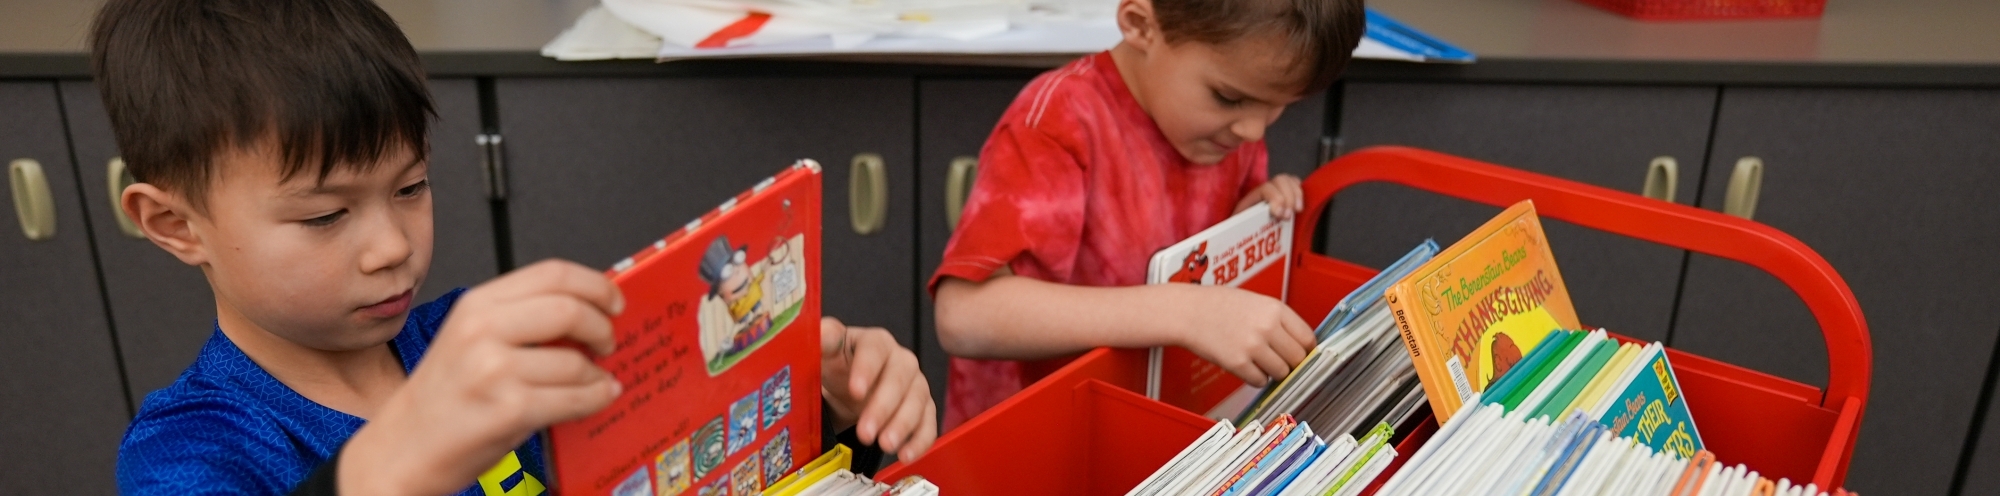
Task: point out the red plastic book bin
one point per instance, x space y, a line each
1776 426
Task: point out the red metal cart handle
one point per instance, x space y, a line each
1849 355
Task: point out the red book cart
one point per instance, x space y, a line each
1084 431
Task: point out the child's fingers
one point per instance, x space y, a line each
1250 372
909 416
832 340
548 405
1287 346
887 393
1270 363
557 276
554 366
547 318
926 435
1297 329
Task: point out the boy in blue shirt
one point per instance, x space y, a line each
279 146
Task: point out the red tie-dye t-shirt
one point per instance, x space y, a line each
1077 186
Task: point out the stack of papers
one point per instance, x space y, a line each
667 30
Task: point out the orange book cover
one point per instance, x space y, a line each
1478 307
718 350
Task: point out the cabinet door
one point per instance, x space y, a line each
598 168
65 410
1605 136
1894 189
164 309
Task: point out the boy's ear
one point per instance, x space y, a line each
164 217
1137 23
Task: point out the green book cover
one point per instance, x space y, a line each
1577 379
1542 372
1501 388
1652 411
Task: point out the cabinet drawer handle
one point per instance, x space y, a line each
1663 177
117 178
1744 184
32 202
957 187
867 194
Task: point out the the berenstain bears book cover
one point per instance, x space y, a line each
716 314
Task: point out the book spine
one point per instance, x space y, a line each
1429 368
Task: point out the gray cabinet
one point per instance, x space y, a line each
598 168
1894 189
163 309
1602 135
65 406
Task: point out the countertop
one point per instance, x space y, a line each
1856 42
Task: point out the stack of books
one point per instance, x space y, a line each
829 475
1281 458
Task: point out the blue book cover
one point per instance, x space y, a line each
1408 43
1652 411
1369 294
1290 443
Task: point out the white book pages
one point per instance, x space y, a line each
1209 461
1512 451
1421 458
1214 478
1368 473
1217 434
1456 452
1529 453
1562 371
1317 473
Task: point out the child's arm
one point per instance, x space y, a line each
485 385
1253 336
874 384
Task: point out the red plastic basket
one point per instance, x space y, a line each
1667 10
1776 426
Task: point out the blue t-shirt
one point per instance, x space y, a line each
227 427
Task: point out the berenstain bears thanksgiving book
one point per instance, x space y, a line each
1473 311
718 350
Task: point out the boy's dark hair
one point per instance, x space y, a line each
1321 34
334 82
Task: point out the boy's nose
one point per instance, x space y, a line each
388 246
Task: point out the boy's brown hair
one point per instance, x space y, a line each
1320 34
333 82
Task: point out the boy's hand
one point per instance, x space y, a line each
868 378
1253 336
1283 193
485 385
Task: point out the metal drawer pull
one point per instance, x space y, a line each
1663 177
1744 184
958 187
867 194
117 178
32 202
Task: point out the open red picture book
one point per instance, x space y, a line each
718 350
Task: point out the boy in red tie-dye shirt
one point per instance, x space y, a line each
1110 158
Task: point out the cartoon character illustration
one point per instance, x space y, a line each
708 447
777 396
748 301
638 484
748 478
1193 266
742 423
672 471
778 456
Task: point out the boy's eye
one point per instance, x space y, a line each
1224 100
325 220
413 189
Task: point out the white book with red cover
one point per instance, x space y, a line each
1250 250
